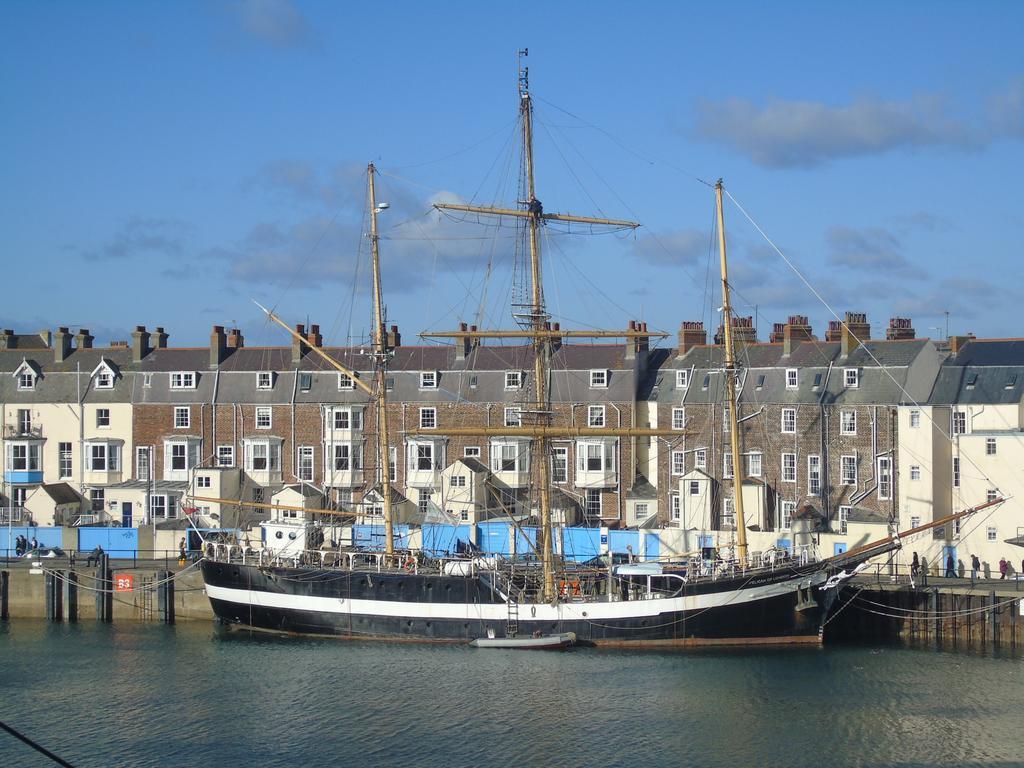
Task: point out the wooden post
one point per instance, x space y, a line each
71 595
165 596
53 595
104 590
5 579
995 619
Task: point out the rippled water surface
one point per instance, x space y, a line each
145 695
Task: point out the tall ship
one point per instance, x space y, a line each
724 596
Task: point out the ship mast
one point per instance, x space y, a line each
380 357
731 374
536 318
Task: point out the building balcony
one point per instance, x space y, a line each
344 478
601 478
93 477
423 478
23 476
16 432
512 479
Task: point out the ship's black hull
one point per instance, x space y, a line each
783 607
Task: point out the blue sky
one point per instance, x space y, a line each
165 163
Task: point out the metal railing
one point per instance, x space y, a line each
987 576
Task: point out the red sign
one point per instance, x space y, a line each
124 582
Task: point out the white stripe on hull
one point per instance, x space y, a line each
588 611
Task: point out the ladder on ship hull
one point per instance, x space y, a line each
512 622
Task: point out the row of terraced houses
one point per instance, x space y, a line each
841 436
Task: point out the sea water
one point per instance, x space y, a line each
192 694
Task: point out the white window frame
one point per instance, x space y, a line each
700 458
848 422
305 463
429 379
104 380
915 419
599 378
848 470
345 382
264 414
471 452
814 475
65 460
884 474
844 520
204 481
513 380
782 421
678 465
182 417
683 379
789 467
728 520
102 418
428 418
458 481
143 463
786 511
147 380
679 418
728 469
792 378
915 472
956 472
958 423
851 378
990 446
754 461
991 533
915 521
595 416
182 379
560 468
513 416
225 455
675 506
264 380
26 380
108 453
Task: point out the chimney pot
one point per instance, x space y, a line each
84 339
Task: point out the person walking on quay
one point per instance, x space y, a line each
975 567
35 544
915 567
19 545
1002 567
950 566
181 551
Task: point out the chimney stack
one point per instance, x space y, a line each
159 338
900 329
796 330
691 334
463 344
140 343
743 331
313 337
854 330
218 346
7 339
83 340
119 344
637 346
299 348
778 333
956 343
235 340
394 339
61 344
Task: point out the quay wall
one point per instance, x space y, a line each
944 613
27 593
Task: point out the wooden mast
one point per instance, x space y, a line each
380 355
540 335
730 388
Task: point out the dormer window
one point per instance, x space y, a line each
851 378
817 382
682 379
345 382
792 378
26 375
707 382
428 379
104 380
305 382
183 380
103 375
265 380
760 381
972 379
513 379
599 378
